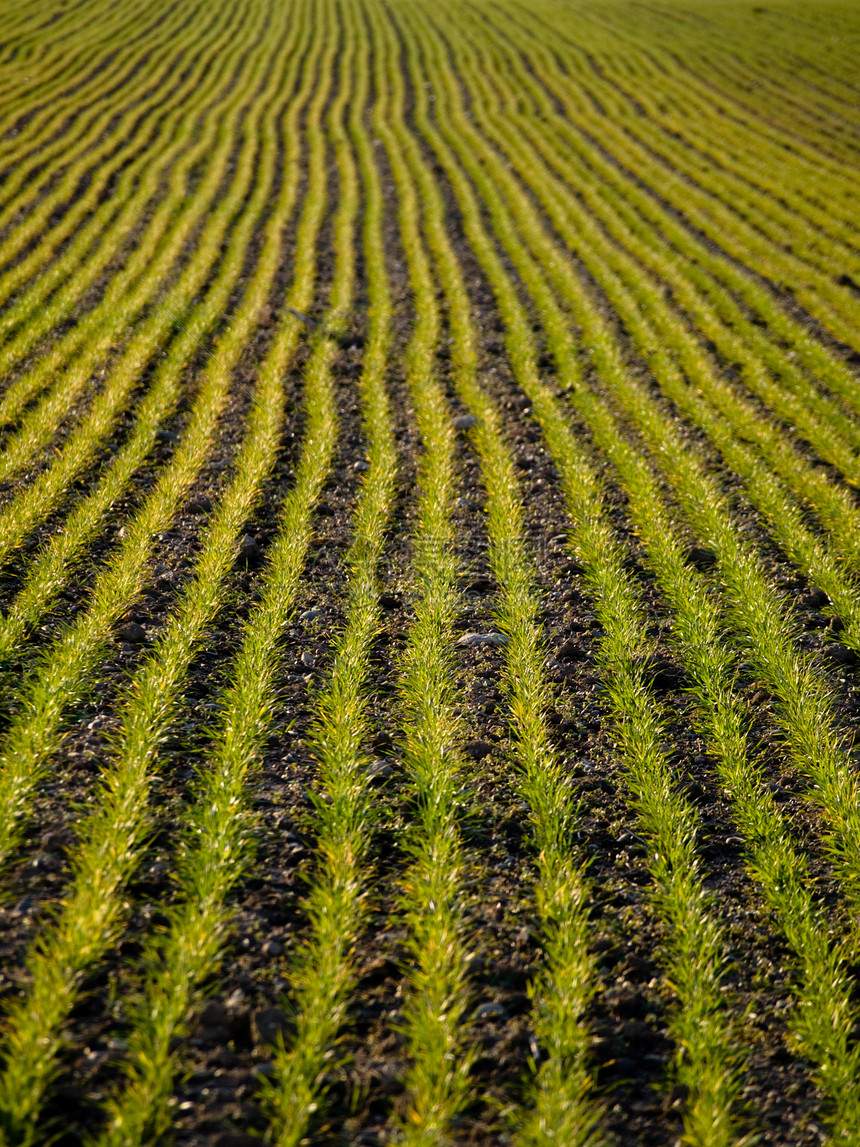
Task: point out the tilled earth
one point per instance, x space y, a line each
246 1009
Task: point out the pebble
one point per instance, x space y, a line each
215 1014
465 422
273 948
476 639
163 577
361 467
841 654
249 552
701 556
267 1024
815 599
166 436
568 652
664 675
310 615
131 633
200 505
379 771
491 1011
308 660
482 585
477 750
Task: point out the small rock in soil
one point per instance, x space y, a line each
272 948
308 660
310 615
476 639
166 436
663 674
815 599
361 467
267 1024
465 422
491 1011
481 585
701 557
199 505
841 654
132 633
250 553
477 750
215 1014
571 568
568 652
379 771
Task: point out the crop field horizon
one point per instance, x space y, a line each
430 589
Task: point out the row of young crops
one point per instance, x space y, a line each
430 572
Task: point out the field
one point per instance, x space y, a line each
430 589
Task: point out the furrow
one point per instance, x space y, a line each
322 974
